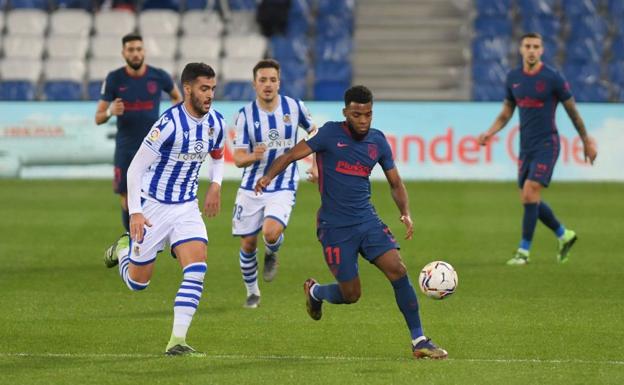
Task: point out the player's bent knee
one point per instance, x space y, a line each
136 285
351 295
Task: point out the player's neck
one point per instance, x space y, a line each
532 69
268 106
192 112
136 73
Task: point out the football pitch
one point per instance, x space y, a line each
66 319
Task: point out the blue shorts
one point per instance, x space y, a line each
538 166
122 162
341 246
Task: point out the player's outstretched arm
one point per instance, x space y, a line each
105 110
243 158
301 150
501 121
399 194
589 146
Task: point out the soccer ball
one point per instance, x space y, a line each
438 280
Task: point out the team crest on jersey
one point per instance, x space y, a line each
211 131
274 134
372 151
154 134
137 250
152 87
199 146
287 119
540 86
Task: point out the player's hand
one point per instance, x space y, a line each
312 174
262 183
212 203
590 149
137 226
116 107
409 225
258 152
483 138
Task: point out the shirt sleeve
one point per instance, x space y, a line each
242 132
318 140
216 152
562 88
107 92
508 94
161 134
140 163
385 154
305 118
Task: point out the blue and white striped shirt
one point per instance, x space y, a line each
278 131
182 143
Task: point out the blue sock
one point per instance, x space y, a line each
125 219
408 304
529 221
548 218
330 293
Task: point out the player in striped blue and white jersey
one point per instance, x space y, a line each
265 129
162 197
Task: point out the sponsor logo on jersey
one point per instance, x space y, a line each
199 146
192 157
356 169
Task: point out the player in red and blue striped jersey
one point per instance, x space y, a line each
536 89
348 224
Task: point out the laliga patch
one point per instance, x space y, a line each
154 134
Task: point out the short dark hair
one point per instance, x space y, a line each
531 35
192 71
266 63
130 37
359 94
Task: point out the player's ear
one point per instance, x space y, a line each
344 112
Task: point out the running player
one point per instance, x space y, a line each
348 224
265 129
536 89
162 188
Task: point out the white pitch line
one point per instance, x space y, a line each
311 358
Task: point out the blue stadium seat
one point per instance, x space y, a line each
87 5
330 90
493 7
490 48
17 90
333 26
339 71
299 19
586 73
545 25
286 48
615 7
59 90
596 93
343 8
93 90
584 50
37 4
238 91
173 5
493 26
592 26
617 48
243 5
551 50
334 49
616 73
489 72
195 4
537 7
580 8
488 93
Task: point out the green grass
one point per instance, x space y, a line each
66 319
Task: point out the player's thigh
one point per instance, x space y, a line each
248 214
142 254
340 249
542 166
122 161
188 233
378 241
278 206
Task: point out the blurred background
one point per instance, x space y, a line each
403 49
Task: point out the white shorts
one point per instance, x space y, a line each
171 223
250 210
